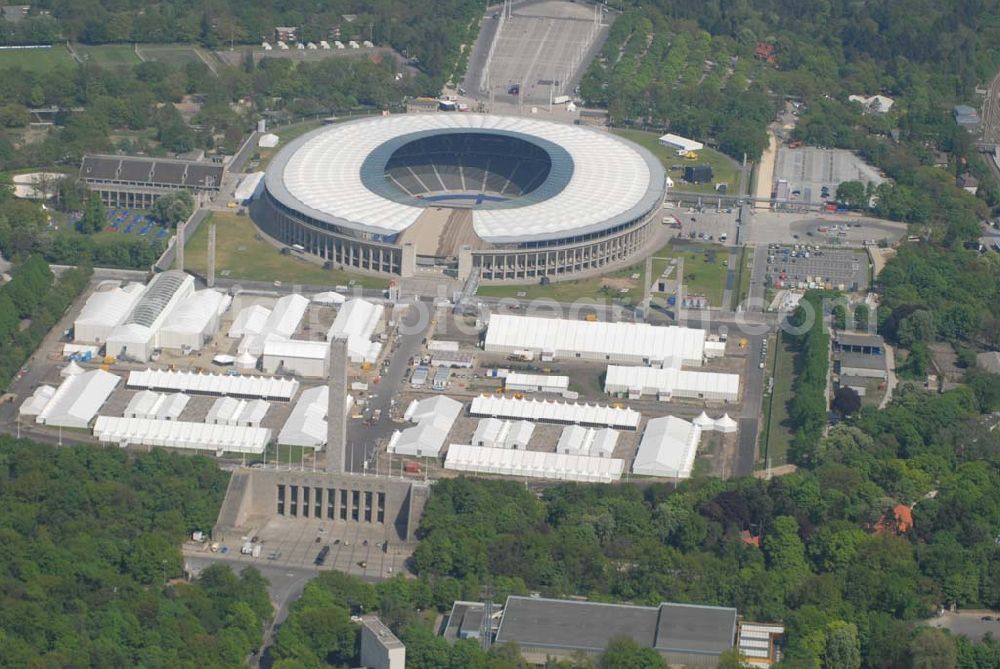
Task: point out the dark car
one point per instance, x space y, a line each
321 556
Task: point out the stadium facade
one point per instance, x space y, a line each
511 198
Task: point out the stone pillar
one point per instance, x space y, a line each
408 260
336 420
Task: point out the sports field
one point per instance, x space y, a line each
241 254
172 54
108 55
36 60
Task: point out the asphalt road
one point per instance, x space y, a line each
363 438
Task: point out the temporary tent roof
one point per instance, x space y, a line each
329 297
680 143
704 421
33 405
306 425
246 360
533 464
672 381
266 387
159 406
182 434
577 440
529 382
638 343
496 433
78 399
726 424
555 412
231 411
195 316
434 418
250 320
668 448
297 348
267 141
105 308
72 369
287 313
357 320
248 187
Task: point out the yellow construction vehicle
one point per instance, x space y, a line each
691 155
590 317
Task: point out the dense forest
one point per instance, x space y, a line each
89 540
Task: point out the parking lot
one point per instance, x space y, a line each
813 173
770 227
808 266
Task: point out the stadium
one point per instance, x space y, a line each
514 199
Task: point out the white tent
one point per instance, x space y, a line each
576 440
329 297
668 448
268 141
106 307
358 320
299 357
231 411
246 361
726 425
265 387
496 433
596 415
158 406
704 422
194 320
72 369
632 343
671 381
306 425
78 399
533 464
250 320
180 434
32 406
434 418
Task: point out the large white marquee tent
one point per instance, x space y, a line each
670 382
158 406
434 418
78 399
181 434
576 440
596 415
496 433
358 320
533 464
668 448
106 307
264 387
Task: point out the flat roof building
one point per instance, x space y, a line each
684 634
380 649
680 144
138 181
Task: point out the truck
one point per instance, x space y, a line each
561 99
412 468
247 548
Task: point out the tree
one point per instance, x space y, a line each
861 316
173 208
93 215
843 649
917 327
846 401
933 649
851 194
626 653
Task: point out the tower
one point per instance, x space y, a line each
210 274
336 419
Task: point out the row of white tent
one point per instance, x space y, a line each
181 434
533 464
670 382
496 433
577 440
235 385
595 415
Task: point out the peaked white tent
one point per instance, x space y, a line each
329 297
78 399
726 425
33 405
704 422
668 448
72 369
358 320
434 418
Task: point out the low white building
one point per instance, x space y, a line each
533 464
219 439
249 321
105 309
358 320
78 399
680 145
198 383
299 357
33 405
670 382
434 418
593 415
536 383
136 337
231 411
282 322
668 448
194 321
496 433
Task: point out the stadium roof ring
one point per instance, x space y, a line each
446 181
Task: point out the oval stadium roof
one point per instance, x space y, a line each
603 180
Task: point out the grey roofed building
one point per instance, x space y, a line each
861 361
137 181
966 115
867 344
683 633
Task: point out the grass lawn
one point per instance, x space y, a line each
239 251
776 434
724 169
36 60
701 277
286 134
174 54
108 55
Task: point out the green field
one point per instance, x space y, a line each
776 435
245 256
174 54
108 55
285 134
36 60
701 277
724 170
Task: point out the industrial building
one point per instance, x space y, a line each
434 418
669 382
536 383
668 448
138 182
576 440
683 634
78 399
629 343
104 310
496 433
533 464
295 356
681 145
358 320
593 415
